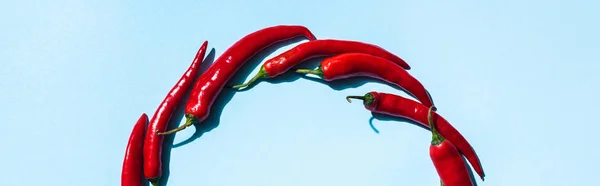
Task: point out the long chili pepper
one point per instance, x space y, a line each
399 106
131 174
160 120
357 64
317 48
210 83
448 162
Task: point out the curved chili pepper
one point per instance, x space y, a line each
209 85
317 48
131 174
448 162
356 64
399 106
162 115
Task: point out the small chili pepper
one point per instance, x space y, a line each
160 120
209 85
357 64
448 162
131 174
399 106
317 48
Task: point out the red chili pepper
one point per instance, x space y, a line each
210 84
399 106
131 174
160 119
317 48
448 162
357 64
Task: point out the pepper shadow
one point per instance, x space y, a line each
213 120
385 117
174 123
353 82
471 173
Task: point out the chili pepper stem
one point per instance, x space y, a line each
262 74
318 71
436 138
348 98
154 183
368 99
189 121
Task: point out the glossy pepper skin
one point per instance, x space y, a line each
358 64
399 106
448 162
210 83
317 48
160 120
131 174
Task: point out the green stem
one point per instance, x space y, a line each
262 74
436 138
154 183
348 98
318 71
368 99
189 121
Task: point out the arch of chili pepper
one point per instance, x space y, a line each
349 59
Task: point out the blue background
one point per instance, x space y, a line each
517 78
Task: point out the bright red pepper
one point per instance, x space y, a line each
357 64
317 48
399 106
448 162
160 119
209 85
131 174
